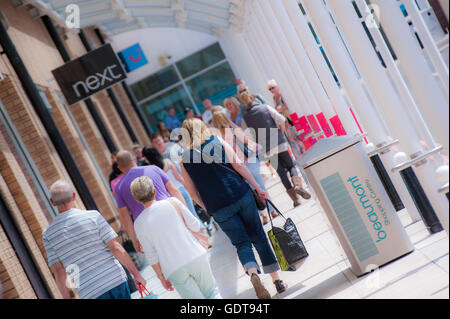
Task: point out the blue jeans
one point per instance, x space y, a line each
122 291
240 222
255 170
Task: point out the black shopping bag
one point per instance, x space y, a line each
286 243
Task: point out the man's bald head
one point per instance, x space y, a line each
125 161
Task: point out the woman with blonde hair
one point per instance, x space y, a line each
245 148
211 171
233 107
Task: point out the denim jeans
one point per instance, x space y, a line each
255 170
195 280
122 291
240 222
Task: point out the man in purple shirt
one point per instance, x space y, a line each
129 208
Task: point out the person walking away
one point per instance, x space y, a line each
155 158
129 209
227 197
260 116
86 243
245 149
164 230
258 97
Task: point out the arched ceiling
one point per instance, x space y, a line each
118 16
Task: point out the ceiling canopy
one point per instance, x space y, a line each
118 16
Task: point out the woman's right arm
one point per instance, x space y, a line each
190 186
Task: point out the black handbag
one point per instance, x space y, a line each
286 243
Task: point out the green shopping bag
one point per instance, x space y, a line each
148 295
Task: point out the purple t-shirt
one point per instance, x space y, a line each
123 195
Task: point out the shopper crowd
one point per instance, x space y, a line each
203 170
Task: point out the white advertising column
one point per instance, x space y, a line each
301 81
315 55
386 97
432 101
312 80
355 203
269 43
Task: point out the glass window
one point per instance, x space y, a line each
216 84
156 110
155 83
201 60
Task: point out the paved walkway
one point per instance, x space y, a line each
326 273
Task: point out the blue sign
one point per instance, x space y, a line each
133 57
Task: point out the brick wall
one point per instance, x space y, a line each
29 218
84 163
112 121
135 122
33 133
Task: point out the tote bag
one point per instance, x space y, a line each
286 243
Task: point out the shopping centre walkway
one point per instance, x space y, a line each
326 273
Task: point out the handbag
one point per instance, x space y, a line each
286 243
148 295
260 204
201 238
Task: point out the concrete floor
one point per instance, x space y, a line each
326 273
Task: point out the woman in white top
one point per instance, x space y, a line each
176 256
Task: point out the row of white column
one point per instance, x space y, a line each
282 46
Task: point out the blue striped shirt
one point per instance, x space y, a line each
77 239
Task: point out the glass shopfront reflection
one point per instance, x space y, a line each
185 84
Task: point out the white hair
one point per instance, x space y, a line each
61 192
272 83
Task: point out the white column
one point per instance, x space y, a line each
271 61
343 66
432 101
312 82
237 51
387 98
315 55
301 82
397 77
428 42
272 44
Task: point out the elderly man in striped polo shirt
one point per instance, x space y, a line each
84 244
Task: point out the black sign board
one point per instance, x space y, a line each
89 74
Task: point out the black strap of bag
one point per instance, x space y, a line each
260 204
268 201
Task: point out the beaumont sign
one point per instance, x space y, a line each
89 74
